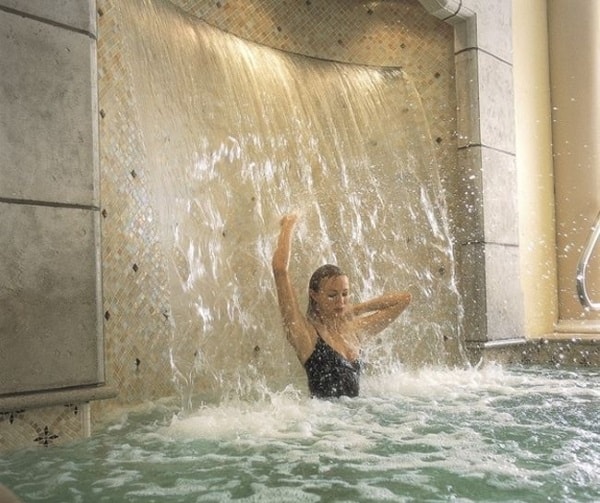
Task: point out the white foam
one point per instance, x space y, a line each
494 430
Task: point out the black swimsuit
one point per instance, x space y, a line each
330 374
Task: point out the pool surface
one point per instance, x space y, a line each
494 434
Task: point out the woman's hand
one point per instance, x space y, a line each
281 257
289 220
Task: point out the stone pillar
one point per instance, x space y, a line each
50 297
485 213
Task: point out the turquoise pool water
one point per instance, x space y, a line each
494 434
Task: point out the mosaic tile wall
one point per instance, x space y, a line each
136 323
393 33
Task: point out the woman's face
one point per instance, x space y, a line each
332 298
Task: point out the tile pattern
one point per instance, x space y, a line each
559 353
137 332
41 427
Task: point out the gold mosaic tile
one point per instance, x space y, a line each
136 333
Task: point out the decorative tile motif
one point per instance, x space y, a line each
46 437
42 427
12 416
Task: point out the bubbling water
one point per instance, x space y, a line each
437 435
236 135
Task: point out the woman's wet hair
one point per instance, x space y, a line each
324 272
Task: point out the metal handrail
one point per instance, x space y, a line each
584 297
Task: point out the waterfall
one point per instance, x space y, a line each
237 135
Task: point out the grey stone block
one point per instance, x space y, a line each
50 320
48 124
496 102
79 14
500 204
505 312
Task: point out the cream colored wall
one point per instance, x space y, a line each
574 75
534 166
555 84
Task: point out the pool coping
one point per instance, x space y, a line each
578 350
36 400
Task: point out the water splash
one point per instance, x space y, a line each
237 135
435 435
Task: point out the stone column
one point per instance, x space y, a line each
50 298
485 214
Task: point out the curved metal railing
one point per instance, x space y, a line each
584 297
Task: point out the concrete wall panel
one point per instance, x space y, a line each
47 125
48 291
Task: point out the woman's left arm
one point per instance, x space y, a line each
372 316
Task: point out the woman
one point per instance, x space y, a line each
328 339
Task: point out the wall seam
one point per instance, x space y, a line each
47 21
51 204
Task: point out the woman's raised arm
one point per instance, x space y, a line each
297 329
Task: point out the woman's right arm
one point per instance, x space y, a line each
297 329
